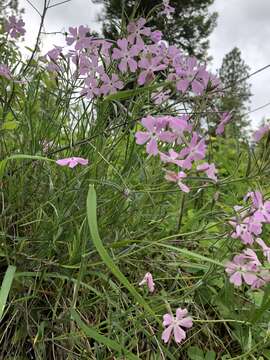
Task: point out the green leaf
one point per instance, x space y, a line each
92 222
10 125
5 288
101 339
210 355
195 353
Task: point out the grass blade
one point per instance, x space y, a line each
5 288
92 221
92 333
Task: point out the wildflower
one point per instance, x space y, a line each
265 248
155 131
126 55
136 29
194 151
209 169
91 88
263 277
177 177
179 125
259 134
5 72
54 53
14 27
160 97
225 118
240 270
81 37
149 66
156 36
262 212
110 85
148 280
171 157
176 325
72 161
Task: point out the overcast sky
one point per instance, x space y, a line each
241 23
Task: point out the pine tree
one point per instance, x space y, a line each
233 74
189 27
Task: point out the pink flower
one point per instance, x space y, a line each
262 212
81 37
5 72
91 88
225 118
168 9
54 53
14 27
156 36
239 270
263 277
136 29
148 280
160 97
150 66
155 131
209 169
179 125
175 325
265 248
258 134
126 55
177 178
172 157
110 85
72 161
194 151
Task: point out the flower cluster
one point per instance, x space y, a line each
248 225
177 132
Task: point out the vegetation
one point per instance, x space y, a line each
116 228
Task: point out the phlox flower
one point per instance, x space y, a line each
91 88
240 270
225 118
155 131
179 125
14 27
265 248
150 66
136 29
259 134
80 36
177 178
209 169
194 151
54 53
148 280
156 36
72 161
263 277
126 55
174 325
5 72
172 157
262 208
160 97
110 85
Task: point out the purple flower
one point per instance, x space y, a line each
225 118
14 27
150 66
175 325
72 161
126 55
80 36
5 72
194 151
156 36
262 209
177 178
265 248
263 277
54 53
179 125
148 280
239 270
91 88
155 131
259 134
136 29
110 85
209 169
172 157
